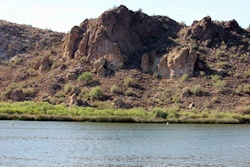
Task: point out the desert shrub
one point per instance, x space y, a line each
202 73
86 77
184 77
55 64
216 77
246 88
32 72
114 89
175 99
223 65
243 58
186 91
68 88
247 73
158 112
173 112
29 91
157 76
18 60
96 93
220 86
237 75
129 82
215 99
129 92
197 90
84 59
221 56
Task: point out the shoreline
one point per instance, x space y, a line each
118 119
43 111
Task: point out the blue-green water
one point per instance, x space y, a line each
119 144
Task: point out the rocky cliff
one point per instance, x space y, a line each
121 36
135 59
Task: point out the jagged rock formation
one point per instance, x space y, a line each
213 34
120 36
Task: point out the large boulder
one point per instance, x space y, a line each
171 65
182 62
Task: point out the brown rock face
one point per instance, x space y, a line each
211 33
182 62
176 63
120 36
74 38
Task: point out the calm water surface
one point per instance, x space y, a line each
118 144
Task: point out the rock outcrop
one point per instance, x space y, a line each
120 36
172 65
214 34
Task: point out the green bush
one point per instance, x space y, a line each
86 77
246 88
186 92
220 86
29 91
158 112
184 77
84 59
114 89
55 64
129 92
96 93
68 88
173 112
197 90
129 82
223 65
216 77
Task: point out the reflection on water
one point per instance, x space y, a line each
113 144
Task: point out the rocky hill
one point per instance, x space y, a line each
128 59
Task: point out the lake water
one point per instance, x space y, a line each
119 144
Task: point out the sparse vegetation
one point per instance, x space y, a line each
84 59
86 77
129 92
68 88
197 90
55 64
114 89
129 82
219 86
184 77
223 65
96 93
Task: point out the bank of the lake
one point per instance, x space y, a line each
43 111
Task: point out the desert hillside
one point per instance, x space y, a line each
128 59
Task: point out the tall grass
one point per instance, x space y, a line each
45 111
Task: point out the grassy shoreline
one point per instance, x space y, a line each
43 111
